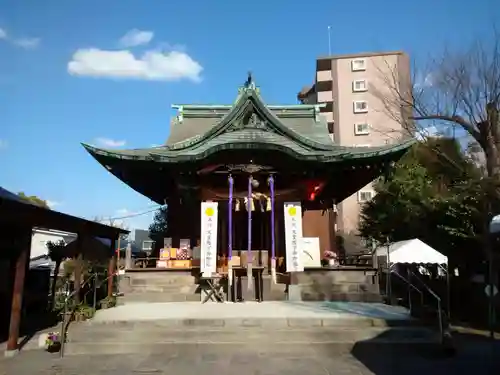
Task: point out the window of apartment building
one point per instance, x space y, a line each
360 106
362 129
359 85
365 195
358 65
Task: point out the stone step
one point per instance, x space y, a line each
341 297
242 335
158 297
120 340
176 281
163 288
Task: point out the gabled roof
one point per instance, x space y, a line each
17 211
297 130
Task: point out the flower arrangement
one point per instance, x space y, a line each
329 258
328 254
53 341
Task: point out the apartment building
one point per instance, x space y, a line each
355 91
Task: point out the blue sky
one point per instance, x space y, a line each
70 73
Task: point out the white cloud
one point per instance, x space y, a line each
3 144
27 43
135 38
53 204
152 65
107 142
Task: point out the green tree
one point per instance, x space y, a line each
34 200
432 194
57 253
158 228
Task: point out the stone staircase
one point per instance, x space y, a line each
341 335
158 287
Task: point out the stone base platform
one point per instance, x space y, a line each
346 284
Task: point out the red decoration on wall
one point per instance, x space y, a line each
313 188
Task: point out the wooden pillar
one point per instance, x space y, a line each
78 267
23 245
111 268
128 257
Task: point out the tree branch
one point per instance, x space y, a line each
470 128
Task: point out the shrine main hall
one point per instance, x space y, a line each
253 163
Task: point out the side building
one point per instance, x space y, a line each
355 91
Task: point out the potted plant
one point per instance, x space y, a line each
83 313
108 302
329 258
53 342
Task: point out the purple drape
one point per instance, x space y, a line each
230 219
249 208
271 188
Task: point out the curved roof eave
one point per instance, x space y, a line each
336 154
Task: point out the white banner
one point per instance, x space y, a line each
208 249
293 237
311 253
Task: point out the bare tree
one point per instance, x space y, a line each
459 89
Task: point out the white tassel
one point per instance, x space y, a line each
237 205
249 276
268 204
230 280
273 271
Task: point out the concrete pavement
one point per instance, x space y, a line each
262 359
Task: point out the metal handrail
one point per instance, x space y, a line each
438 299
408 282
69 297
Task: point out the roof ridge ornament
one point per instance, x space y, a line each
249 83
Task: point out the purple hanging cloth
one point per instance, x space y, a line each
273 244
249 251
230 234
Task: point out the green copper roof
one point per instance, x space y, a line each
297 130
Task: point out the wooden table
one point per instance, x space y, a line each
215 288
257 271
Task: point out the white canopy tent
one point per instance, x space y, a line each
412 251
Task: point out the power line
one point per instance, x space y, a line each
135 214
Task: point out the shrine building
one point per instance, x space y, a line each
251 159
